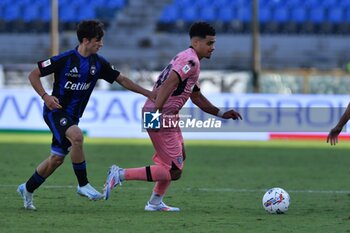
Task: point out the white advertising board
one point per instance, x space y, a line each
118 114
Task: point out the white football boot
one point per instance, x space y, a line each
27 197
112 181
161 207
89 192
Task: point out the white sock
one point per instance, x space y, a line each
121 174
155 199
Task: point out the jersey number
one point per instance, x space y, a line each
164 75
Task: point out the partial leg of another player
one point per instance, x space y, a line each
157 173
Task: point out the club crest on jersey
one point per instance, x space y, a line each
46 63
113 68
63 121
93 70
186 68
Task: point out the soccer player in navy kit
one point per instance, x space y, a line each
75 75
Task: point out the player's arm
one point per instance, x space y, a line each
204 104
334 133
50 101
131 86
166 89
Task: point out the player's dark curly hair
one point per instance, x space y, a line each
201 29
90 29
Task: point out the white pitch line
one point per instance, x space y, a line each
232 190
264 190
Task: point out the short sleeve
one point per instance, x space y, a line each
184 67
51 65
108 72
196 87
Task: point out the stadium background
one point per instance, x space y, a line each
300 59
274 48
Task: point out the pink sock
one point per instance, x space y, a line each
158 173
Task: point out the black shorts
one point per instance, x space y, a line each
58 122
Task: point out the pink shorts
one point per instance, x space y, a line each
169 147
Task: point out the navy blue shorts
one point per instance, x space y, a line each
58 122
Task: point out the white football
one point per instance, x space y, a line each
276 201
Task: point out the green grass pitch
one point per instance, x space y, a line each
220 191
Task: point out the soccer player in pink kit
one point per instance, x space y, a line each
175 85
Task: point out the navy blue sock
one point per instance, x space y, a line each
34 182
80 172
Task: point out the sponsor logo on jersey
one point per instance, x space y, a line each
74 73
74 70
46 63
76 86
191 62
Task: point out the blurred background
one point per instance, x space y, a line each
302 45
263 46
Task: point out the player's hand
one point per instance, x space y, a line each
333 135
52 102
231 114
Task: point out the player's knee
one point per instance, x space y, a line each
78 140
75 136
175 174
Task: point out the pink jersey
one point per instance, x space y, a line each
186 65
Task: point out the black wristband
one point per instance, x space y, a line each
43 95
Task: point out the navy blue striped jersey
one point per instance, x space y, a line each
75 77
